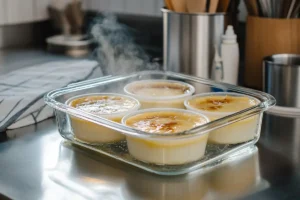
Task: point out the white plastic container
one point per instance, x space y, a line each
230 56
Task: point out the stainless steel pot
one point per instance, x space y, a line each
281 78
189 41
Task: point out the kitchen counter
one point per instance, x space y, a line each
15 58
38 164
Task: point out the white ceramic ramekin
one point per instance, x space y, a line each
89 132
238 132
154 101
171 151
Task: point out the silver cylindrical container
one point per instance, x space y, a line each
281 78
190 40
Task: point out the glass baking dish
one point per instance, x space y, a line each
214 153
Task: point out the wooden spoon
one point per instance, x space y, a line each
178 5
213 6
252 7
196 6
169 4
223 5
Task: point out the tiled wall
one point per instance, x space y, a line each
22 11
139 7
16 15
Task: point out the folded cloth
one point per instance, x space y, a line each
22 91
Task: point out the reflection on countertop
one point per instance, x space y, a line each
79 170
59 170
284 134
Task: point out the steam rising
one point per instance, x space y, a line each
117 53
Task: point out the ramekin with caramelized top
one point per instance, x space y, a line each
160 93
108 105
166 121
220 104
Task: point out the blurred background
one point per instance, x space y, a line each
27 23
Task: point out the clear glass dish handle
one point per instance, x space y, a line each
90 81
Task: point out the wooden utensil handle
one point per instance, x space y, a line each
213 6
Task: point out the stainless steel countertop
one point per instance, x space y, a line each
38 164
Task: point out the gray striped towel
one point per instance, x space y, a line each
22 91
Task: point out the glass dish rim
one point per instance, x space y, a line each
267 102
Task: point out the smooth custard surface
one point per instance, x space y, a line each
105 104
158 89
165 122
222 103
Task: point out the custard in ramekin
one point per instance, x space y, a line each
220 104
162 150
107 105
160 93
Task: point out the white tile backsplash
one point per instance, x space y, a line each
148 7
23 11
61 4
40 9
3 12
19 11
117 5
104 5
158 5
100 5
140 7
133 6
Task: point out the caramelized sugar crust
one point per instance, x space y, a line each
222 103
160 89
103 104
165 122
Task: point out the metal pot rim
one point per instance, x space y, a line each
165 10
270 60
